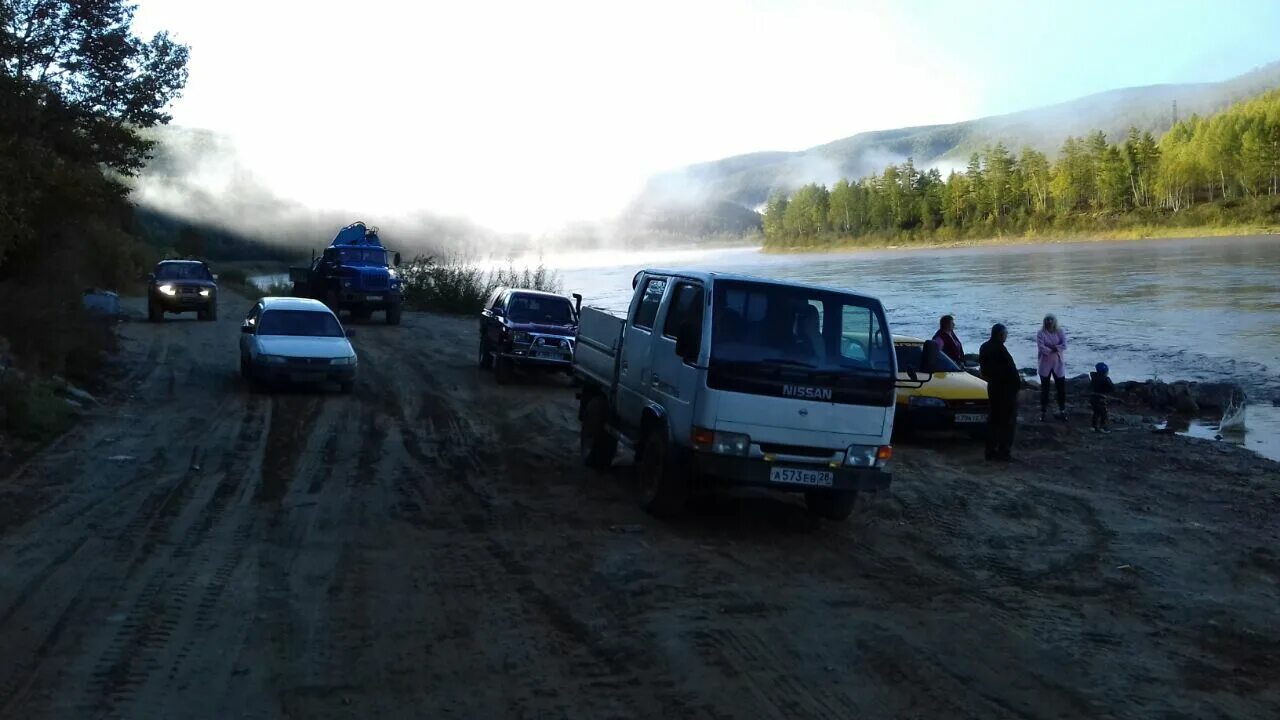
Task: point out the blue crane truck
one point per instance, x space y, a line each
353 274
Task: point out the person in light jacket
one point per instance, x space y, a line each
1051 343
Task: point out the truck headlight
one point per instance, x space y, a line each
204 292
168 289
349 360
520 337
721 443
868 456
346 283
920 401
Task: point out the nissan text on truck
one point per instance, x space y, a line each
720 379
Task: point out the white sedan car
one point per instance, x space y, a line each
286 339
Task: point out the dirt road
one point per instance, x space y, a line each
429 547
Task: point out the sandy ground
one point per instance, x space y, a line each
429 547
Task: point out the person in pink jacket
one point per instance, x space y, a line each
1051 343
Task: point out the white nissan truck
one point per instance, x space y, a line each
720 379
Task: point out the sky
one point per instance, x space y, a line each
523 115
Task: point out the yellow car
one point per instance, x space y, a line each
952 400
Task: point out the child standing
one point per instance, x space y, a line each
1100 386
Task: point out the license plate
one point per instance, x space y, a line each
547 355
971 417
373 298
798 476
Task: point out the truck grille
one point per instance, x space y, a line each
374 282
799 450
308 361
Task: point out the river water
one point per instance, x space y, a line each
1193 309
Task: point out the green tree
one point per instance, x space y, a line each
1036 175
775 211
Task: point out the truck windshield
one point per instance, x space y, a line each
909 358
362 256
540 309
301 323
182 271
769 324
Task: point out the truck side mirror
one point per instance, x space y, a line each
246 328
577 304
397 259
929 357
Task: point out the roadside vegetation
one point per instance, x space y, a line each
76 88
458 286
1220 172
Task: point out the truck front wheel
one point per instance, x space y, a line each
597 445
393 314
831 504
661 481
154 313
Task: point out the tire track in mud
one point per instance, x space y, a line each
175 603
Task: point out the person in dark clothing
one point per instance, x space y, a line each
947 340
1003 382
1100 386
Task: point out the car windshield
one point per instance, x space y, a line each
909 358
540 309
785 325
308 323
182 271
362 256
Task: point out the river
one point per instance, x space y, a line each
1193 309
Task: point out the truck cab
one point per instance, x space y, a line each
726 379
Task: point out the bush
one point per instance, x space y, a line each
32 412
52 335
461 287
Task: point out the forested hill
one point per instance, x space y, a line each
750 179
1206 173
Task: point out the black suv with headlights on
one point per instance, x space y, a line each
178 286
529 329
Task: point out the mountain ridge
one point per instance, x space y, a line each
749 178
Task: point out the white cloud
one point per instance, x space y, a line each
524 115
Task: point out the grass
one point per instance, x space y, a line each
461 287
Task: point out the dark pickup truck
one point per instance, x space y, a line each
178 286
527 329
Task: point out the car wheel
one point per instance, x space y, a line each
244 367
597 446
213 311
393 314
831 504
503 370
154 313
484 359
661 482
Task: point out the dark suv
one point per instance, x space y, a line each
178 286
529 329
